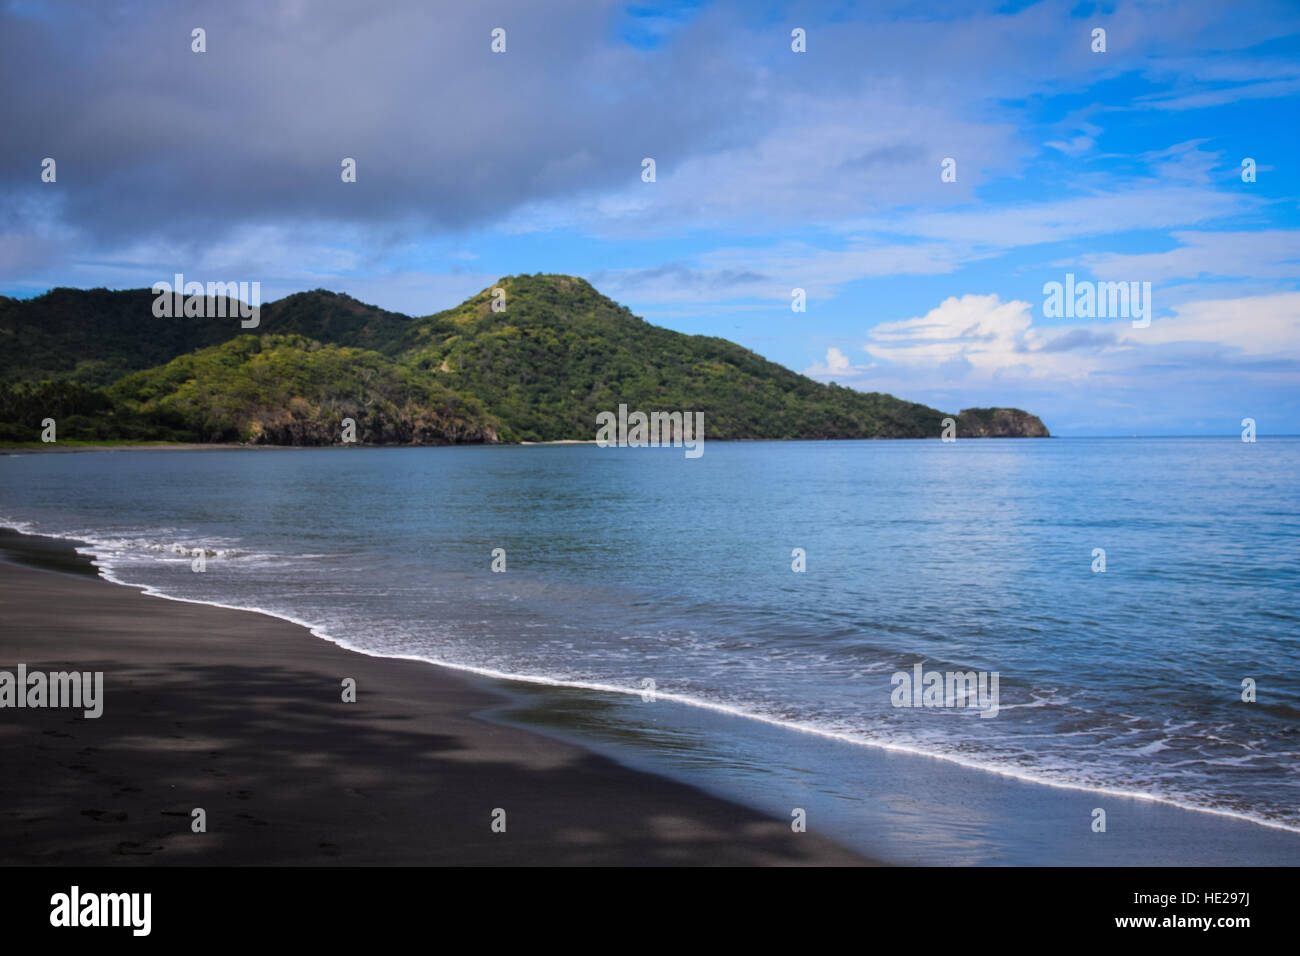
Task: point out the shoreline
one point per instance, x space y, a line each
908 808
54 448
240 713
513 687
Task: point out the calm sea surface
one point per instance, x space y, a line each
631 565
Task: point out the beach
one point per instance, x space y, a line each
241 714
769 689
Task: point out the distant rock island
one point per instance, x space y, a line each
106 368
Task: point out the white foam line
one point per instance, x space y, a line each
318 631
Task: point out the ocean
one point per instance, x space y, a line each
650 606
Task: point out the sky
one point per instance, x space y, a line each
774 170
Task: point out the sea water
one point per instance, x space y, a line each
665 594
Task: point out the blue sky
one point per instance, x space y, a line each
775 170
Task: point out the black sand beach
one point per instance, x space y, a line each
241 714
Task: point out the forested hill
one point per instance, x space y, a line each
105 367
95 336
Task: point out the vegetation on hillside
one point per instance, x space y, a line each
560 352
96 336
291 390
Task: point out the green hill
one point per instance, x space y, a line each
561 352
541 369
291 390
96 336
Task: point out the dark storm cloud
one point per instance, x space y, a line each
153 139
232 156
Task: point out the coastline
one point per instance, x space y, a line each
240 713
877 804
54 448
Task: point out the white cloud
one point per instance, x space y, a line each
1074 146
980 339
835 366
1266 326
1148 205
1263 254
974 336
1207 98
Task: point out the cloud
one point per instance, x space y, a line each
808 164
445 133
1078 339
180 149
1252 327
1200 369
772 271
836 360
1204 99
1149 204
986 339
1265 253
677 281
448 135
971 334
1074 146
835 364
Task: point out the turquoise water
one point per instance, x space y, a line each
626 565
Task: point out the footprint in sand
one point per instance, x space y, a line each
104 816
128 848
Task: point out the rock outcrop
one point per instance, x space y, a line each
999 423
